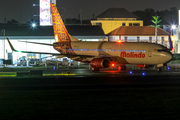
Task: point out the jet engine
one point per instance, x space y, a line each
100 63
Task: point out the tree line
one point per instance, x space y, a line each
168 17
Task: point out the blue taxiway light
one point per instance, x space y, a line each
143 73
54 68
130 72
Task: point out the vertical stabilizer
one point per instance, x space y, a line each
60 32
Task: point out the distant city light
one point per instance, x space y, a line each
35 4
173 26
33 25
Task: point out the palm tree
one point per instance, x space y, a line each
156 21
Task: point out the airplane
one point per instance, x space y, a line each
104 54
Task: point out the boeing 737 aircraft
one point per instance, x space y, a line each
105 54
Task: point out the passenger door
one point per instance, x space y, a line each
150 52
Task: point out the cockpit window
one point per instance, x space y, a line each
161 50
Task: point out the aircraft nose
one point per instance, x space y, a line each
169 56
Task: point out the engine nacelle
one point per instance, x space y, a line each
144 66
100 63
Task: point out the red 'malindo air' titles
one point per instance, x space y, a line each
132 55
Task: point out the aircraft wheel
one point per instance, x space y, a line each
124 67
95 69
121 67
159 69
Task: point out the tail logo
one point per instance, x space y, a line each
60 32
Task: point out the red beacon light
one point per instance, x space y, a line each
112 65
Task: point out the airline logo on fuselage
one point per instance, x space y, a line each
132 55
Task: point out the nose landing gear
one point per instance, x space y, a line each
159 69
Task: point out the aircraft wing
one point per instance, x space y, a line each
55 54
38 43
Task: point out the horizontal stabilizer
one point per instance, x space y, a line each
13 49
38 43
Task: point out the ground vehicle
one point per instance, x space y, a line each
1 61
34 62
22 61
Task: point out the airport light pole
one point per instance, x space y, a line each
4 43
173 27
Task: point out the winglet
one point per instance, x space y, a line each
12 48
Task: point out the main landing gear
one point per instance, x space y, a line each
121 67
159 69
95 69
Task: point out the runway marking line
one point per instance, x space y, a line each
8 74
57 74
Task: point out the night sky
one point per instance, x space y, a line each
11 9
